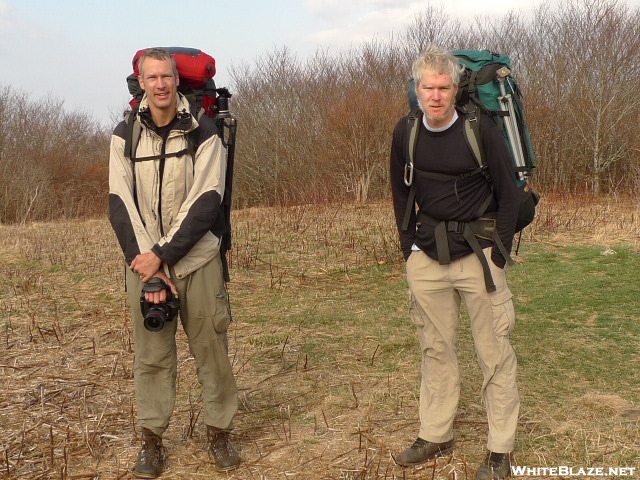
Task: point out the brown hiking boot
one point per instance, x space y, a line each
224 453
422 451
150 462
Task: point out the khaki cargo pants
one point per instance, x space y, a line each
436 291
204 314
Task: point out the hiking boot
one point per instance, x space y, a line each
150 462
496 466
225 455
422 451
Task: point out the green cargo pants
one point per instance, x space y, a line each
204 314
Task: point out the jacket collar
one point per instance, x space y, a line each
186 121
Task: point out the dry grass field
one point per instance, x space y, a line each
324 354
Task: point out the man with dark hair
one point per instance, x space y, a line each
445 258
165 208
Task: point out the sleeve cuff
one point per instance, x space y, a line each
158 251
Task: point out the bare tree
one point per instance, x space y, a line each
603 106
52 161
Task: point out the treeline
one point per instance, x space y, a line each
319 129
53 163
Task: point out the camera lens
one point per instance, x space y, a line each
156 315
154 320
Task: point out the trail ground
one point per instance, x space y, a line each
325 356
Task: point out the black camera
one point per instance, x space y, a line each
157 314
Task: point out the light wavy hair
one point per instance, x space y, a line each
438 60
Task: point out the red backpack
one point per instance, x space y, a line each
196 70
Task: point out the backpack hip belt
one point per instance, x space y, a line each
484 227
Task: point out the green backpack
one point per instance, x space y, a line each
487 86
490 86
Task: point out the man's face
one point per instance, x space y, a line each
437 97
158 80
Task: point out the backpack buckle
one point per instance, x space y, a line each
408 174
455 226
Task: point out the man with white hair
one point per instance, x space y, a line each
449 258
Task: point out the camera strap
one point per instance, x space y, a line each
154 285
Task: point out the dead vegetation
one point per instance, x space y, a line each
325 358
312 131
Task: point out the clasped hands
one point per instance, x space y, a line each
147 266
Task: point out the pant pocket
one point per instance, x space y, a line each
222 311
416 313
504 316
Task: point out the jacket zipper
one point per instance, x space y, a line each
161 175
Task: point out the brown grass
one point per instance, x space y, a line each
317 401
565 219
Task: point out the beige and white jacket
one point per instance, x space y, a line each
170 205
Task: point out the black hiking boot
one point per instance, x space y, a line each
150 462
225 455
497 466
422 451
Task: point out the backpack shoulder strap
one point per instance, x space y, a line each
132 134
192 144
413 122
192 148
134 129
473 137
413 126
472 133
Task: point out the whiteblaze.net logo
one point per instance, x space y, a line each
564 471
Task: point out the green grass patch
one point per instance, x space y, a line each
576 338
578 316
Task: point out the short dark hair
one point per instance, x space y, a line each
158 54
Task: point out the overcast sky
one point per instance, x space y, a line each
80 51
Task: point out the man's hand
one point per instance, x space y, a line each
146 265
161 296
